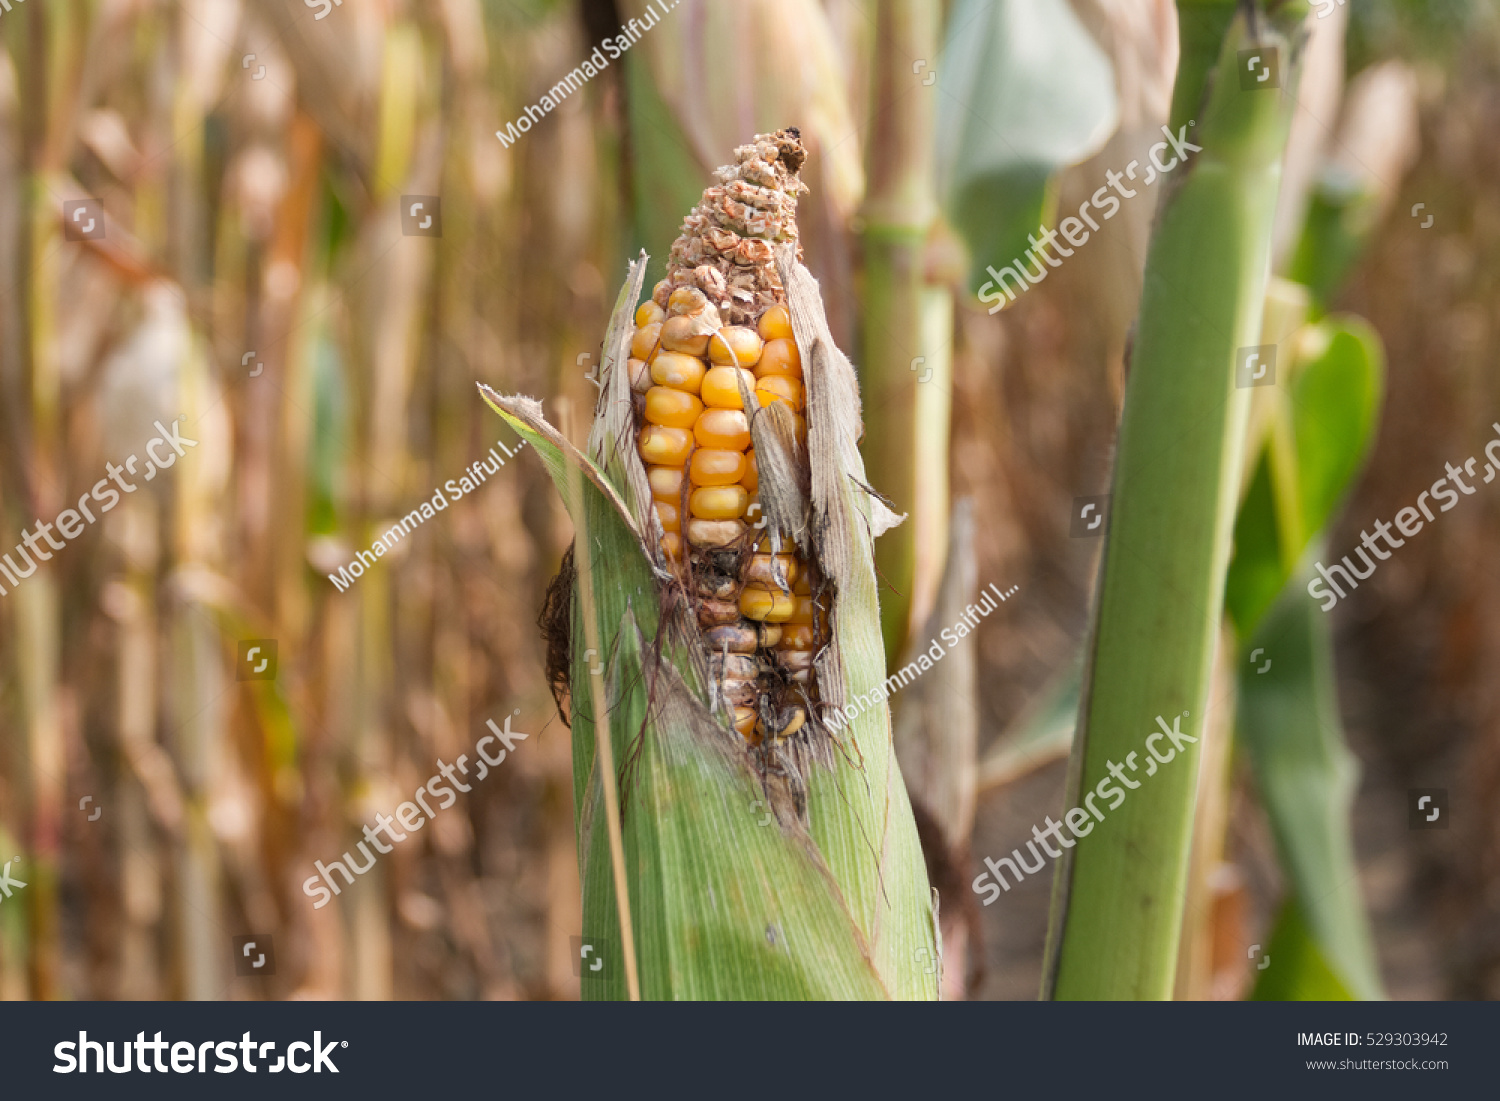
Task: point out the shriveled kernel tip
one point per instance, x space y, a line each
775 323
779 571
640 375
688 301
681 372
721 387
679 335
713 467
718 613
672 408
649 313
794 661
661 292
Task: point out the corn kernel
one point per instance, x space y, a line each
775 324
646 341
723 429
666 482
787 546
738 639
772 571
770 634
776 388
671 519
778 357
721 387
649 313
796 662
744 722
718 502
803 585
711 467
672 408
680 334
751 480
797 636
689 301
640 375
678 371
718 613
662 446
734 346
671 546
661 292
713 533
759 602
803 611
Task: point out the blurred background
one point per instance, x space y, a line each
254 268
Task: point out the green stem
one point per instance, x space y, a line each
1118 897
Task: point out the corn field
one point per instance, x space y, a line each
634 439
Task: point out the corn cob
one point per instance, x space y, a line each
716 328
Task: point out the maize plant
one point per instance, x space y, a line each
742 824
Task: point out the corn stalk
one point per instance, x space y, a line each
1119 891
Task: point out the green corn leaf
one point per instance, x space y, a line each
1288 722
1024 91
1293 969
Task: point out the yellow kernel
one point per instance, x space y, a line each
734 346
649 313
778 357
775 571
759 602
721 387
678 371
803 612
666 482
671 518
744 722
713 533
799 428
802 586
686 300
711 467
764 545
775 324
770 634
724 429
718 502
644 344
671 546
661 446
640 375
680 334
751 480
776 388
797 636
673 408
